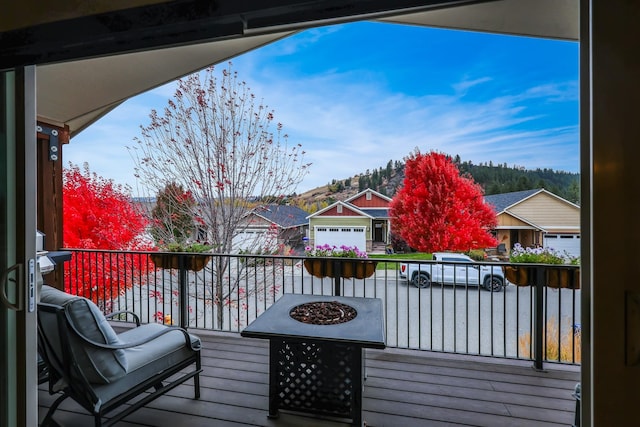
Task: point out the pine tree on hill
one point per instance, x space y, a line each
494 178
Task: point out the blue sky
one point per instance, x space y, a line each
358 95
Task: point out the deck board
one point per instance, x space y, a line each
403 388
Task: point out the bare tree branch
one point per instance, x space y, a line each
216 140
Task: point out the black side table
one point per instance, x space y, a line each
318 369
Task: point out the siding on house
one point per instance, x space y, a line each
334 212
549 213
375 202
254 221
506 220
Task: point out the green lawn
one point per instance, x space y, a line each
394 265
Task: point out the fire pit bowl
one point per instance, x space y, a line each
323 313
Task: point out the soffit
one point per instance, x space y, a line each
78 93
553 19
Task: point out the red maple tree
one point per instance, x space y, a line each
437 209
98 214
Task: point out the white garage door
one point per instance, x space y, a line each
339 236
254 241
563 242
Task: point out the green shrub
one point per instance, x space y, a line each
476 254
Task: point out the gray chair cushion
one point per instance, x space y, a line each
156 349
149 359
105 365
54 296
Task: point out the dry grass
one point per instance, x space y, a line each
560 346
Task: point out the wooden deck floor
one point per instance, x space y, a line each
403 388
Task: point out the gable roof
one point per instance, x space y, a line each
504 201
368 211
282 215
348 206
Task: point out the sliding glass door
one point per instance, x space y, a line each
18 342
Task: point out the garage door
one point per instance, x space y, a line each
339 236
563 242
254 241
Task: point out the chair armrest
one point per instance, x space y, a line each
136 319
151 337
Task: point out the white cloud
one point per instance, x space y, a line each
464 85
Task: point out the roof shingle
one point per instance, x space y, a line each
502 201
283 215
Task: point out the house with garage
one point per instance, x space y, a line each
361 220
536 218
269 227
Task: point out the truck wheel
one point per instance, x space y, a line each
421 280
493 283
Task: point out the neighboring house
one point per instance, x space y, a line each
263 229
361 220
537 218
267 227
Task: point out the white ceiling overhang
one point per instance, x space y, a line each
552 19
78 93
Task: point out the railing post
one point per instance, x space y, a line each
337 273
538 319
182 285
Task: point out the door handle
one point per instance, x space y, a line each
4 281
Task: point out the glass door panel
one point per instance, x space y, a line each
7 251
18 342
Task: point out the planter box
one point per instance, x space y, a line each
193 262
520 276
350 267
556 277
563 278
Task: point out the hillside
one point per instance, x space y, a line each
495 179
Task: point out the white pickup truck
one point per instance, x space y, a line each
454 269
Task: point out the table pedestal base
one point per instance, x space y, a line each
317 377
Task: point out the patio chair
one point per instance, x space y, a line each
101 370
501 249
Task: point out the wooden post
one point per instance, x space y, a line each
50 140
